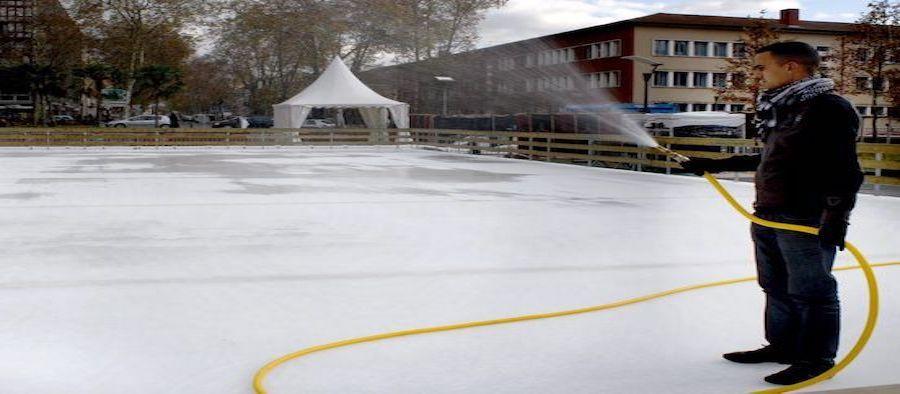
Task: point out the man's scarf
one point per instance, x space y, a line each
774 101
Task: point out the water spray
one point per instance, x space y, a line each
678 157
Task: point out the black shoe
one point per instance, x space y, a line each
799 372
767 354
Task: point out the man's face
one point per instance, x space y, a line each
772 73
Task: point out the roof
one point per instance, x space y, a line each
338 87
677 21
735 23
696 22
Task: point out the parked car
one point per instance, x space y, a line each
63 120
141 121
233 122
260 122
317 123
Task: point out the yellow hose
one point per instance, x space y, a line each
864 337
872 317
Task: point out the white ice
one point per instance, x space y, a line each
184 271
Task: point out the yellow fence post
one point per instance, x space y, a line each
877 186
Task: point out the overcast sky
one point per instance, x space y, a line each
522 19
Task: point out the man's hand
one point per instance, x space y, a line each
699 165
834 228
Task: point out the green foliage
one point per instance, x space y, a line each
156 82
745 86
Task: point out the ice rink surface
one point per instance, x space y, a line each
184 271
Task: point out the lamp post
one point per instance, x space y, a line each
654 64
444 81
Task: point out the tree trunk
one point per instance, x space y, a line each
99 103
874 116
35 97
877 84
45 109
137 61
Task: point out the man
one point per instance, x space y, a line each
807 174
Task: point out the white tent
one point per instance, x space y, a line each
337 87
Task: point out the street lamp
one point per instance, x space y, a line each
444 81
647 76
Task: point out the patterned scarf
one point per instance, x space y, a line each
773 101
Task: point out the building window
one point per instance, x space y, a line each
880 111
739 50
720 49
700 79
719 107
738 80
615 48
737 107
823 50
878 84
613 79
529 60
699 107
862 83
661 47
862 55
681 48
661 78
719 80
701 48
681 107
680 79
606 79
606 49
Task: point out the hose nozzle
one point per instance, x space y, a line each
678 157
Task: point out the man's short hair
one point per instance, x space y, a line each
794 51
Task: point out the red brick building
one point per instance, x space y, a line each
585 67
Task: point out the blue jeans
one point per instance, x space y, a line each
802 316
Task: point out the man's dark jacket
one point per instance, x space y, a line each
809 161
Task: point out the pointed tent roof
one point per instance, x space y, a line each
338 87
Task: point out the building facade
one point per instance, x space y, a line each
16 40
586 68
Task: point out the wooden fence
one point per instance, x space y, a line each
881 161
35 137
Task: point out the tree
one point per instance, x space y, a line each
869 52
97 74
272 56
745 87
425 29
207 83
58 42
42 81
129 32
42 63
156 82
